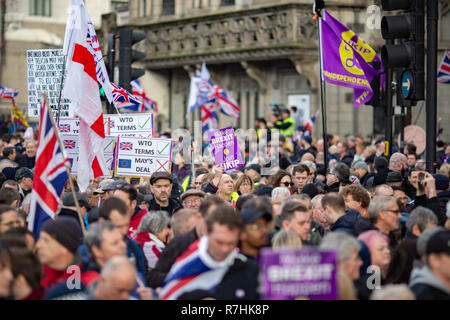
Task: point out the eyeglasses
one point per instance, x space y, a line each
287 184
197 183
245 185
395 211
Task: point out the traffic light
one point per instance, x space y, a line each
127 56
407 53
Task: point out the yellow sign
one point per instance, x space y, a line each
386 148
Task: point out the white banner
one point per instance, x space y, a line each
142 157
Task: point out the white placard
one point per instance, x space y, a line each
139 157
134 125
44 76
70 142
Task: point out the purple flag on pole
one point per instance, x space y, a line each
308 273
225 148
345 59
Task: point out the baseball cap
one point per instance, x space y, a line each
103 185
69 201
251 215
439 243
160 175
114 184
193 192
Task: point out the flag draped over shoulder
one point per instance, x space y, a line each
443 75
50 175
81 87
195 269
139 93
346 58
8 93
19 118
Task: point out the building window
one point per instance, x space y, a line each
168 7
40 8
227 3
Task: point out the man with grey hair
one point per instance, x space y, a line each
384 190
279 196
384 215
419 220
184 220
153 234
347 248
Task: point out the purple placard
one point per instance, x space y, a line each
225 148
308 273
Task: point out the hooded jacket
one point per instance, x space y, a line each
347 222
426 286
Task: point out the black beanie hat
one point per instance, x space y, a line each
66 231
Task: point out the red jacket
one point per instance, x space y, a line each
134 223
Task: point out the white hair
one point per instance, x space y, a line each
279 192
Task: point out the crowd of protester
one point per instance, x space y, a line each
386 216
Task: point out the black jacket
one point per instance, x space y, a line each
241 278
434 205
174 205
170 253
347 222
363 225
333 188
24 161
443 198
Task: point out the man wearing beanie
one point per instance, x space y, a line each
362 169
56 248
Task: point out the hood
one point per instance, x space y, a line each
425 276
363 225
348 220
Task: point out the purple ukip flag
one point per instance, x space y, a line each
346 58
225 148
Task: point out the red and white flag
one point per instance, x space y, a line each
84 71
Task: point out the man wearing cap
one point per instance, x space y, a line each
101 190
362 169
161 184
432 282
24 178
192 199
56 248
394 178
255 231
69 208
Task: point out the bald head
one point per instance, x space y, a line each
397 162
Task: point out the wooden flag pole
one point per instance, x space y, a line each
72 187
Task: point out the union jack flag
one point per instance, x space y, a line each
64 127
111 123
210 118
50 174
8 93
124 100
226 104
69 144
139 93
443 75
126 146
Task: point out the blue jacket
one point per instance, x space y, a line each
346 223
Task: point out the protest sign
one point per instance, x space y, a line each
70 142
139 157
135 125
225 148
307 273
44 76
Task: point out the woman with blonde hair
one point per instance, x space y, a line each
285 239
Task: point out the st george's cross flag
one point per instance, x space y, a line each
84 71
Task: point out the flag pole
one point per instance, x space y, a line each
317 16
72 187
